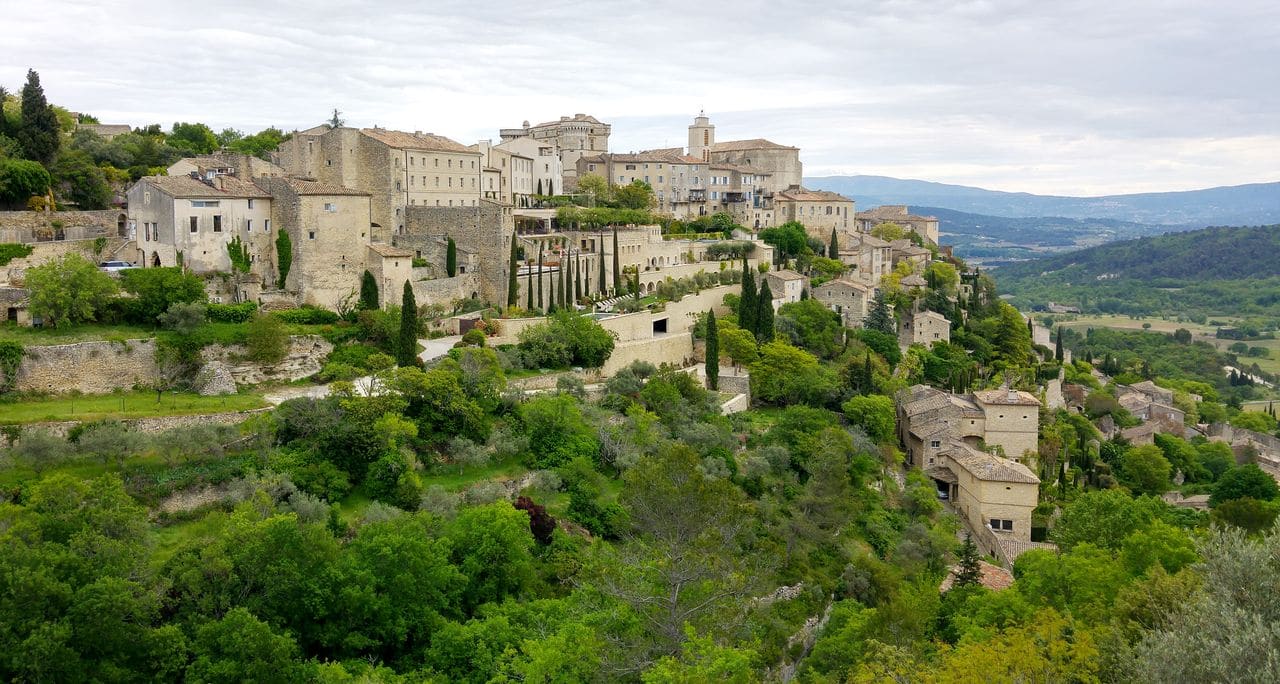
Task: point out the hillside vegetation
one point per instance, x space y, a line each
1215 271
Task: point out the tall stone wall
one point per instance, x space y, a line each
14 272
484 230
38 226
446 291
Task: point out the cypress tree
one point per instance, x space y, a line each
969 573
512 288
407 346
577 278
528 286
747 303
866 375
713 352
603 285
617 268
38 135
552 303
833 247
1057 350
764 315
635 286
368 292
541 301
563 300
451 259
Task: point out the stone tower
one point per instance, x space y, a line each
702 135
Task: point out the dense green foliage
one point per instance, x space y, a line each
1198 273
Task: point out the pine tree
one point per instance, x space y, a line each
969 574
764 313
541 277
617 268
368 292
407 345
512 288
833 247
713 352
880 318
747 303
38 135
451 259
1057 350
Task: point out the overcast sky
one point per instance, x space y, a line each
1064 97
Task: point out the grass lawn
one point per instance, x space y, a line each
169 539
69 334
136 404
455 480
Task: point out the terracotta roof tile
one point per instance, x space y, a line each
415 141
186 187
752 144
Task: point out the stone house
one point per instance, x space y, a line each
820 211
906 250
942 433
242 166
849 298
328 228
869 257
512 171
924 226
923 327
198 216
15 302
786 286
391 267
399 170
680 183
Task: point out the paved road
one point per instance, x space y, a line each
433 349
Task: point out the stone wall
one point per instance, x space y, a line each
38 226
88 367
446 291
675 349
305 355
101 367
484 230
151 425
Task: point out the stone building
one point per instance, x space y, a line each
869 257
512 171
820 211
328 228
680 183
851 299
942 433
391 268
548 170
198 216
483 230
780 164
574 137
399 170
923 327
924 226
242 166
786 286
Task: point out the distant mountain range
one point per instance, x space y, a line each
1253 204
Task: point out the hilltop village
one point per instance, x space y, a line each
360 404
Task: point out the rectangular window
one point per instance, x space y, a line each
194 225
311 235
250 203
266 225
330 207
1001 525
248 225
935 444
217 223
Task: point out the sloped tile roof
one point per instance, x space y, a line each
415 141
805 195
186 187
752 144
988 467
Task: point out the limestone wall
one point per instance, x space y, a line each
675 349
101 367
149 425
446 290
88 367
33 226
305 355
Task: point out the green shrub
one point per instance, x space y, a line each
307 315
266 339
13 250
231 313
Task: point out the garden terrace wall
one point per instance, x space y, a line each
152 425
38 226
